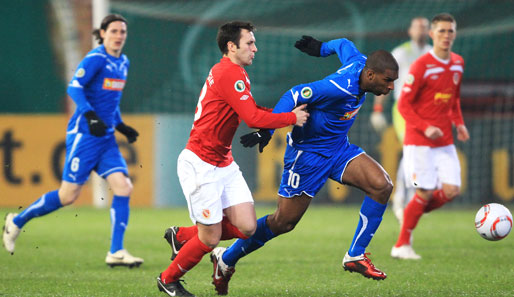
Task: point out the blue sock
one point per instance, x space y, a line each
44 205
370 217
119 221
241 248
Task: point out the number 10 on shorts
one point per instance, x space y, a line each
294 179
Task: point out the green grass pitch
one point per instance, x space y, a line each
62 254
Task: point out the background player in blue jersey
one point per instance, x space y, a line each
320 150
96 88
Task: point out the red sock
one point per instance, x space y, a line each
411 216
230 231
438 199
190 254
186 233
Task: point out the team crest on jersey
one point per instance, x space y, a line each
113 84
239 86
350 114
410 79
306 92
80 73
456 78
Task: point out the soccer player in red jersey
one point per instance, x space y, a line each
219 200
430 104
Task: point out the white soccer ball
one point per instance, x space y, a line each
493 221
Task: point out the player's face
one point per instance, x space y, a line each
418 30
245 53
114 37
383 83
443 34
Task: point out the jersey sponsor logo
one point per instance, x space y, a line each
456 78
244 97
442 97
410 79
239 86
113 84
306 92
350 114
80 73
206 213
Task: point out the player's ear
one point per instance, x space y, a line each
102 33
370 74
231 46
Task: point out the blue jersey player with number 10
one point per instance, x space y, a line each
320 150
96 88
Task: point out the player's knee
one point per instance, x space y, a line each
451 192
383 188
249 229
68 196
123 188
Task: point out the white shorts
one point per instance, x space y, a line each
427 167
209 189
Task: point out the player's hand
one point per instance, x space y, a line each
128 131
262 137
462 133
378 121
309 45
301 115
97 127
433 132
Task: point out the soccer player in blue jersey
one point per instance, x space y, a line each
317 151
96 88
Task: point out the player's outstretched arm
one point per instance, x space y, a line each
309 45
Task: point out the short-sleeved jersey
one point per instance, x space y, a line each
224 101
97 85
405 54
332 102
431 97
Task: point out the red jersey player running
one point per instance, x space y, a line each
219 200
430 104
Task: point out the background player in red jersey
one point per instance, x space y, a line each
430 104
219 200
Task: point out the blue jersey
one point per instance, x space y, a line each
97 85
332 102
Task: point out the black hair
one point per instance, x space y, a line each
231 32
105 23
380 61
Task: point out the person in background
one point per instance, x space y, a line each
96 88
430 105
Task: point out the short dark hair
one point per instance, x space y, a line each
443 17
380 61
231 32
105 23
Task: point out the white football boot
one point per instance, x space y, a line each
405 252
10 232
122 258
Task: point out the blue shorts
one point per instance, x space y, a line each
306 172
85 153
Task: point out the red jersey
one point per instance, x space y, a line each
431 97
224 101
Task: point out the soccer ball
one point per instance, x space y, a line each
493 221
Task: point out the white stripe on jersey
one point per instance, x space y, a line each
433 71
76 127
96 54
457 68
343 89
75 142
75 84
